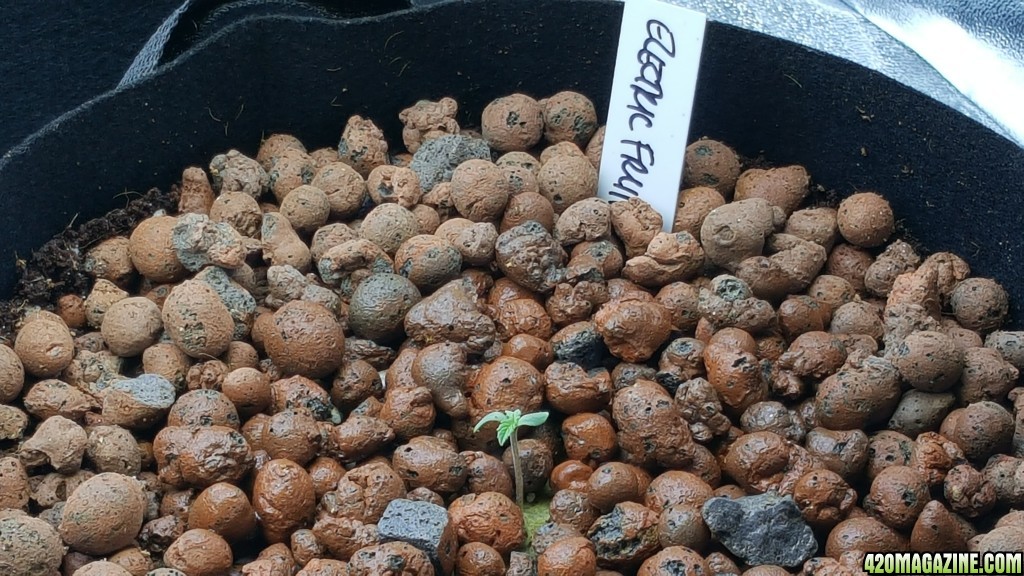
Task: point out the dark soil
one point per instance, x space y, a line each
56 268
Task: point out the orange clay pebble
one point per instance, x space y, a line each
566 179
104 514
394 184
344 186
479 190
306 208
569 117
489 518
243 378
866 219
569 556
199 552
44 346
711 163
12 374
388 226
131 325
224 509
152 250
305 339
284 499
111 260
512 123
197 320
30 546
275 145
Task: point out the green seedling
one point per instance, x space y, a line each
509 423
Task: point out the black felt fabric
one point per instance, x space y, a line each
193 21
55 55
955 184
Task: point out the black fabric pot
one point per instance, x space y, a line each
954 183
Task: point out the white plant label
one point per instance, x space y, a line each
651 104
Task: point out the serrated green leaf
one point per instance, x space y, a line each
505 429
492 417
535 419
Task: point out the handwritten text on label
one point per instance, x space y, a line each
651 104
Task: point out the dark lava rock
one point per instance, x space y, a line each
581 344
423 525
626 536
436 159
762 529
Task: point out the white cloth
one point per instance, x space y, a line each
967 54
978 45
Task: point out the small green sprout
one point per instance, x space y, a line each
509 423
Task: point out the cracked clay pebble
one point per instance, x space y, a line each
197 320
29 547
236 172
199 552
224 509
305 339
44 346
387 183
633 330
866 219
151 247
284 499
104 514
479 190
362 145
384 558
531 257
513 122
569 117
490 518
58 442
711 163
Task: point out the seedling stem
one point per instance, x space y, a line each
509 423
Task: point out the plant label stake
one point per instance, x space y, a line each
651 104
